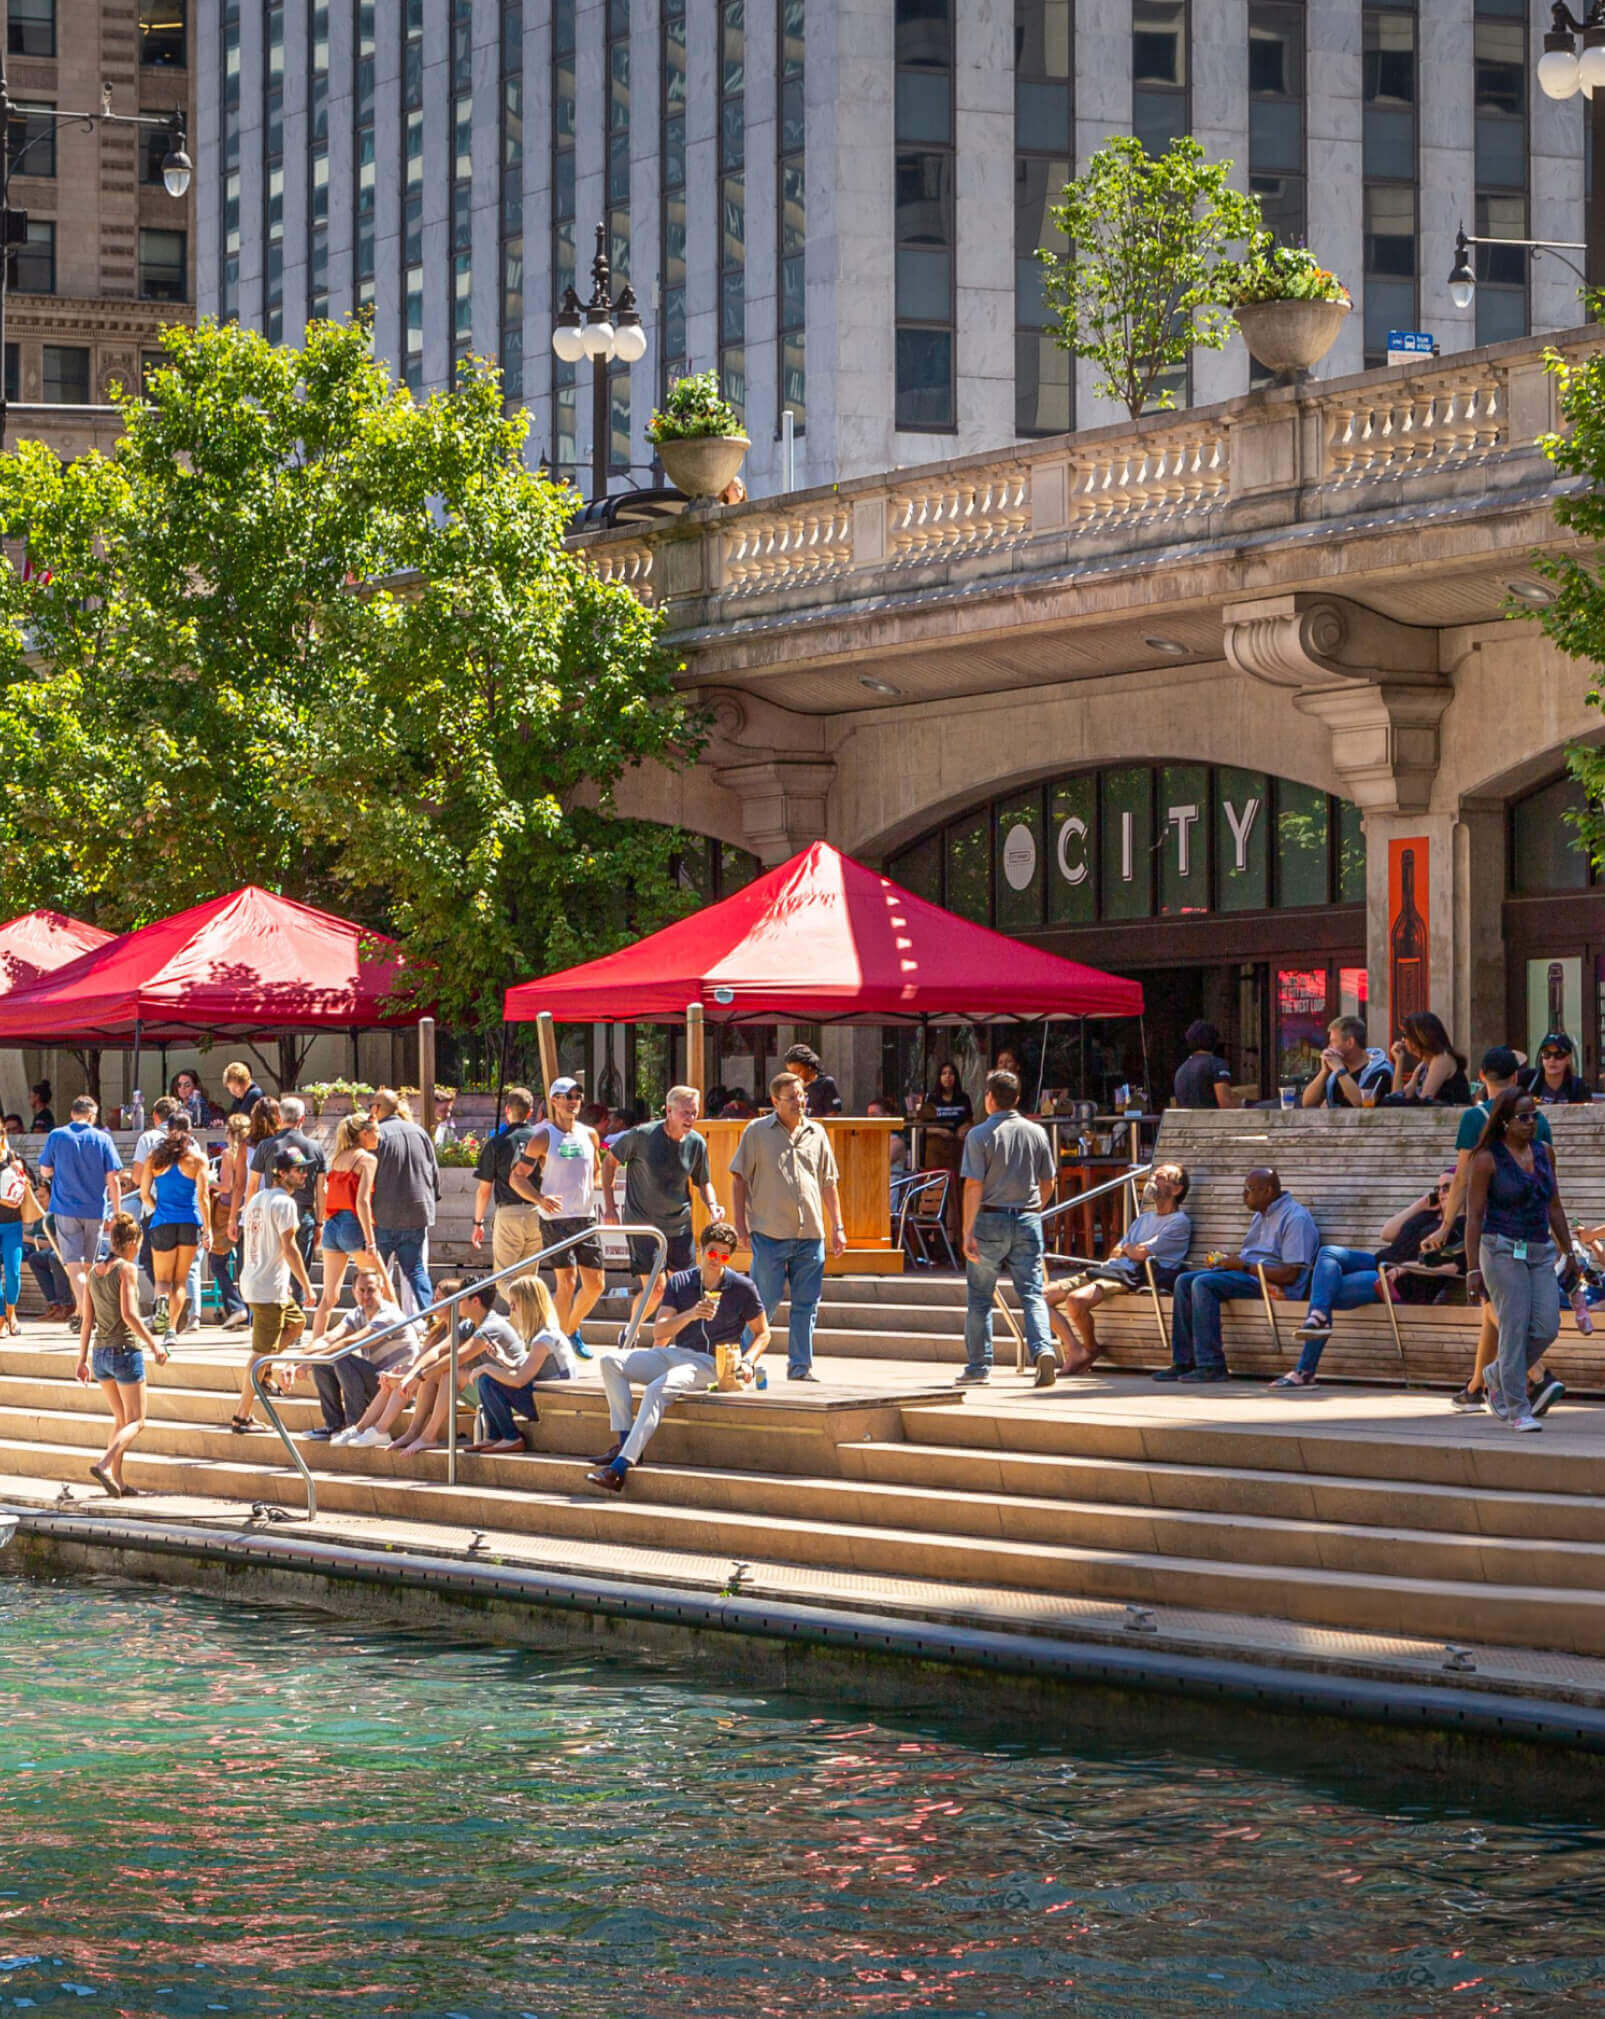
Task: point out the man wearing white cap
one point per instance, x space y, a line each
559 1171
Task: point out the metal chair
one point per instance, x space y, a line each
921 1202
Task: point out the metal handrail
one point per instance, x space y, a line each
1130 1178
519 1268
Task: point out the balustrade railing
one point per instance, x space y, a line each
787 548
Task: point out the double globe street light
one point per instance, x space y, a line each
604 331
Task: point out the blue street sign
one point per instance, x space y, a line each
1405 344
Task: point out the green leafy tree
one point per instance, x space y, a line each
1141 287
302 630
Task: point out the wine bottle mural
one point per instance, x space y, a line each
1409 971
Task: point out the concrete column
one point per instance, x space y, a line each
1334 153
1448 164
851 309
206 141
1219 59
1555 209
486 200
387 191
342 159
252 171
984 339
590 185
438 279
763 269
1435 834
1478 953
702 185
646 212
1103 109
296 137
539 305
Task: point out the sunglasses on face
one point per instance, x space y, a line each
1555 1058
720 1255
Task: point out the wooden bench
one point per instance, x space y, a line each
1353 1169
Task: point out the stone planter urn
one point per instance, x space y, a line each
703 465
1290 337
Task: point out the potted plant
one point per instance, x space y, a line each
1288 306
698 435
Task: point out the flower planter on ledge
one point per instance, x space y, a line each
702 465
1290 337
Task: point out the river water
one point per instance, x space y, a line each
214 1808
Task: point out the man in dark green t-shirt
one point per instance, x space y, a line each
663 1164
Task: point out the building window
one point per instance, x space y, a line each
1500 45
31 28
512 200
162 266
318 160
273 174
565 447
412 197
791 180
66 375
31 268
1547 853
149 362
13 374
1276 116
162 29
228 292
364 159
732 217
462 178
1044 114
923 216
1390 177
31 143
616 59
1159 112
671 112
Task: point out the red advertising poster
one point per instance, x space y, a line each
1409 982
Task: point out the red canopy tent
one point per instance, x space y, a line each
823 939
40 942
241 966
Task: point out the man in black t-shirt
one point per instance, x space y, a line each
517 1234
1203 1079
709 1306
821 1096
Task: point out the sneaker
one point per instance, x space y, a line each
372 1440
1468 1399
1198 1377
1173 1373
1047 1369
1525 1421
348 1436
624 1338
318 1436
236 1321
801 1374
1544 1397
973 1377
160 1322
580 1347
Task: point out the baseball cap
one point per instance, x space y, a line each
290 1159
1557 1041
563 1086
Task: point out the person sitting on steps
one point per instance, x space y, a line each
1281 1235
1160 1234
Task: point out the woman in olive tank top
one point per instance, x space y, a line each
112 1320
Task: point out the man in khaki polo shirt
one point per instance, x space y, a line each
783 1197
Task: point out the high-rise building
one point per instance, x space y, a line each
838 206
109 255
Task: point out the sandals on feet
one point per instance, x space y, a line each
99 1472
1294 1379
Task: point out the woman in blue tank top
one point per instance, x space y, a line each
1515 1231
176 1189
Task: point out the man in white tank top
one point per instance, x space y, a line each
559 1172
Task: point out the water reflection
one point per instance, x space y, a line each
207 1808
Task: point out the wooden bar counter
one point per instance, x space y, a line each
863 1150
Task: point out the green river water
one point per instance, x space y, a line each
259 1811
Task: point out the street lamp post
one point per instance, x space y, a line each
604 330
1463 279
177 170
1562 73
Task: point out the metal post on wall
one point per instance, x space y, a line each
426 1071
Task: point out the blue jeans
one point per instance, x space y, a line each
50 1276
11 1260
1011 1241
225 1267
407 1245
801 1264
501 1404
1195 1315
1342 1280
1525 1295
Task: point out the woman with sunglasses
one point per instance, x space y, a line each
1555 1081
348 1212
1515 1229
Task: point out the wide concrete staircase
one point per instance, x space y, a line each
1479 1538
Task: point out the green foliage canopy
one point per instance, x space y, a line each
303 631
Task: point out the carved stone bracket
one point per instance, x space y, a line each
1375 684
783 802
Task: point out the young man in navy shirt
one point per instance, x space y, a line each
711 1305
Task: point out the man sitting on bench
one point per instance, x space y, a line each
703 1308
1282 1236
1160 1234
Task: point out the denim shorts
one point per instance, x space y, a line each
77 1239
117 1363
342 1233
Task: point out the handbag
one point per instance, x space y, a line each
13 1183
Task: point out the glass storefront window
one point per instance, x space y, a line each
1127 844
1547 852
1184 838
1073 852
1301 831
737 868
969 869
919 869
1351 853
1017 854
1300 1023
1354 987
1242 826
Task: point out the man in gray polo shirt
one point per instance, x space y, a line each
1008 1161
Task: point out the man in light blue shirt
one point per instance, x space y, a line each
1161 1234
1282 1236
80 1164
1008 1164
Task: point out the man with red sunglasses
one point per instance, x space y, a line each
705 1307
